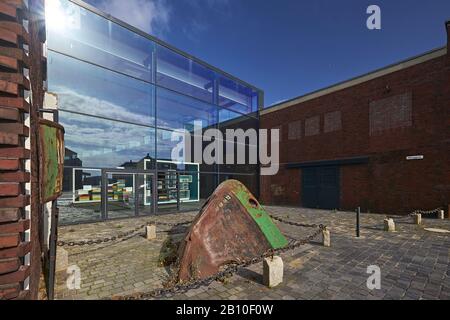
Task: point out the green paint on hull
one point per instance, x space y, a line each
262 219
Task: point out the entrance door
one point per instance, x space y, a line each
321 187
127 194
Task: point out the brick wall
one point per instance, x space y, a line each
14 86
387 118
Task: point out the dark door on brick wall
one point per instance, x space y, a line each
321 187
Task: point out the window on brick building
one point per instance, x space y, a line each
312 126
390 113
295 130
332 121
281 131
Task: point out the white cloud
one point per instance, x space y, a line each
151 16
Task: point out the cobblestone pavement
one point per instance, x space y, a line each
414 262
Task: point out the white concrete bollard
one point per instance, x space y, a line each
326 237
150 232
62 259
389 225
441 215
272 271
417 219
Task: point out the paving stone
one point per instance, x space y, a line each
414 263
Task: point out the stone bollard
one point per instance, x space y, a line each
417 219
150 232
326 237
441 215
62 260
272 271
389 225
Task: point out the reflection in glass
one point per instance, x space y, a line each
102 77
102 143
80 33
184 75
81 197
88 89
178 112
237 97
121 199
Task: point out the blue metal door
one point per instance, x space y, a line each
321 187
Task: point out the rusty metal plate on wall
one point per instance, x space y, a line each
51 159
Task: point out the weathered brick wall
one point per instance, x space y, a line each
388 118
13 174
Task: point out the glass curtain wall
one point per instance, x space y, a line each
122 95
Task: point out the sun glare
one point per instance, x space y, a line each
55 16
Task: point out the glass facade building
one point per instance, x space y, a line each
121 95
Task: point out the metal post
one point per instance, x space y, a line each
52 254
155 192
104 198
136 193
178 191
358 214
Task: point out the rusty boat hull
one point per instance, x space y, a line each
231 227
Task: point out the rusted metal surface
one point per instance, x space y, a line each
9 164
17 176
226 231
9 190
13 175
8 9
51 159
19 251
10 291
15 202
7 138
36 27
19 226
9 265
13 32
15 128
11 57
9 214
9 114
16 79
9 240
15 103
13 277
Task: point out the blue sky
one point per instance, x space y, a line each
290 47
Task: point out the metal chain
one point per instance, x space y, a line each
426 213
294 223
421 212
120 237
231 269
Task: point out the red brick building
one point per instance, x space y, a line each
380 141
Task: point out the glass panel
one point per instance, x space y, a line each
101 143
237 97
194 189
88 89
178 112
82 34
165 147
81 197
144 189
121 198
181 74
246 145
204 183
234 121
